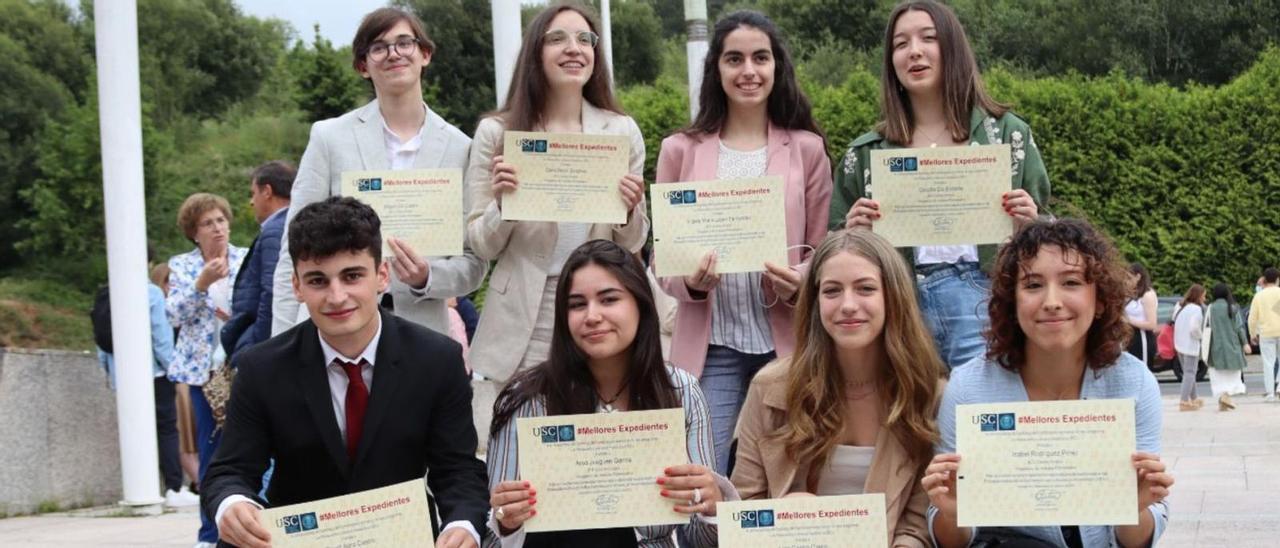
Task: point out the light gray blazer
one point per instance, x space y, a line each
354 141
523 249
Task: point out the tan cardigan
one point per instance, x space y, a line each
763 470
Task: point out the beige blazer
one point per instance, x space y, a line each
763 470
523 249
355 142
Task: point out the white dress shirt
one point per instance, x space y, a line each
400 155
338 394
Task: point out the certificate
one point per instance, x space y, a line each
423 207
566 177
1046 463
804 522
942 196
743 220
601 470
395 515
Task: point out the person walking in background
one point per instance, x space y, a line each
1264 324
395 131
199 302
1188 325
932 95
1227 347
560 85
250 324
187 451
1140 311
753 121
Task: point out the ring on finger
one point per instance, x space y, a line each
697 495
500 513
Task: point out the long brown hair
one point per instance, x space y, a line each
962 87
564 381
909 375
527 95
1195 294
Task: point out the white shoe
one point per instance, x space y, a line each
1270 398
181 498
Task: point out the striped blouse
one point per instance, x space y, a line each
503 461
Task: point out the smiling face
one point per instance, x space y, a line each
851 301
341 293
747 67
396 73
567 63
1056 303
917 55
603 316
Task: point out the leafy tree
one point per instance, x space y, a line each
326 85
637 46
459 81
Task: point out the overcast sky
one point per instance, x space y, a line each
338 18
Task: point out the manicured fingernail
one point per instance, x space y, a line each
662 481
533 501
663 492
533 512
526 484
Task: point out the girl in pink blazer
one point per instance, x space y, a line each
752 121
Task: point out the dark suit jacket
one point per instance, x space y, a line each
419 418
250 321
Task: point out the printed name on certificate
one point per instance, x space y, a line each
744 221
566 177
942 196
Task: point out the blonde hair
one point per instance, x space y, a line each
195 206
909 378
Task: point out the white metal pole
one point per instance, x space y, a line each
695 19
606 37
506 44
120 124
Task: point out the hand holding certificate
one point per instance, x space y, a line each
390 516
598 470
1046 463
742 220
805 522
942 196
566 177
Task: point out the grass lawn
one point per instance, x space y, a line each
37 313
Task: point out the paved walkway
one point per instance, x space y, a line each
1227 468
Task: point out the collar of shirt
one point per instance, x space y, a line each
400 153
282 211
368 354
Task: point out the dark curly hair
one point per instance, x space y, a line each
1108 334
336 224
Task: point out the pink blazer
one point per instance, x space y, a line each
801 160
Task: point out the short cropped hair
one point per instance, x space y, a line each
278 175
337 224
1271 275
379 21
1108 334
195 206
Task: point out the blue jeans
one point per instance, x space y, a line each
206 443
724 382
953 299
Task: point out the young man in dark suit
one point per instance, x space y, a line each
350 400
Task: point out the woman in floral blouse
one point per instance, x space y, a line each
199 302
932 95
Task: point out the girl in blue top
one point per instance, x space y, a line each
1058 332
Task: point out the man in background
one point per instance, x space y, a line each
269 190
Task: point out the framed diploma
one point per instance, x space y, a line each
566 177
601 470
423 207
1046 463
942 196
395 515
804 522
743 220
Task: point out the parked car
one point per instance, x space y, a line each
1164 313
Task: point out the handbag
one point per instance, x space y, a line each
1206 336
217 390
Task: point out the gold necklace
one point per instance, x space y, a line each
933 139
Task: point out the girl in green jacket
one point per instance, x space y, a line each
1227 347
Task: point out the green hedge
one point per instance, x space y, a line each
1185 181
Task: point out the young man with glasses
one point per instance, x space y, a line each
397 130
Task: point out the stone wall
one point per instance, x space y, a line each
58 437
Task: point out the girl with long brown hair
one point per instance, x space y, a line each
932 95
852 411
561 85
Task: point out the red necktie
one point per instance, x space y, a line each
357 401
